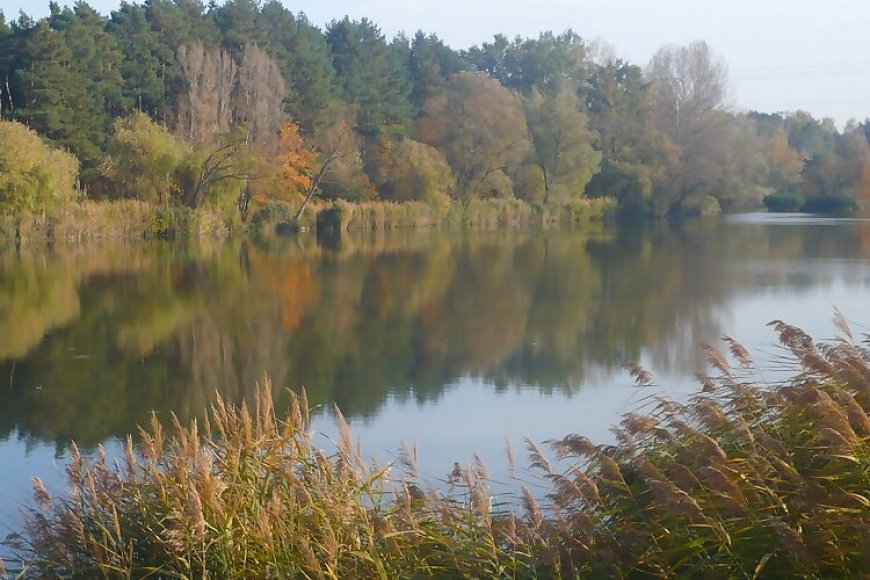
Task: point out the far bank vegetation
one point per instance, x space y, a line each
247 113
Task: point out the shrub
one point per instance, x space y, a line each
33 176
142 160
784 202
831 204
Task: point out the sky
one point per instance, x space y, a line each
782 55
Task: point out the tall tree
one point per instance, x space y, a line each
479 125
431 63
147 62
635 154
240 24
546 63
6 51
371 76
301 51
98 57
181 22
690 85
260 97
561 143
73 82
55 94
205 110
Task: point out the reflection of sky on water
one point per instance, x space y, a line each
793 219
21 460
472 417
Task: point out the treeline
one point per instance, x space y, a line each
245 104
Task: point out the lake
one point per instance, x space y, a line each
454 341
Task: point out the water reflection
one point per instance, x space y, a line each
93 339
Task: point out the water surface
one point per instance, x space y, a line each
455 341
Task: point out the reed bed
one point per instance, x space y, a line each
119 219
743 480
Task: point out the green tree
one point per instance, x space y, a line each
240 24
372 76
431 63
303 55
6 51
479 125
810 136
73 82
54 91
97 57
147 62
843 171
546 63
634 154
142 160
33 176
561 143
179 22
421 172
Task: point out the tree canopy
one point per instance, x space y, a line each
539 118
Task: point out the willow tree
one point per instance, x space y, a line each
142 160
562 143
479 125
34 177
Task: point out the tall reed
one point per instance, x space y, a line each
248 495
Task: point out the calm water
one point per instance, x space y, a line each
457 342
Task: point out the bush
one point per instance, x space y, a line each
33 176
702 206
830 204
267 218
578 211
142 160
784 202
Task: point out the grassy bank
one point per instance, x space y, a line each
743 480
100 220
130 219
479 214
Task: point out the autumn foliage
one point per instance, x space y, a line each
297 162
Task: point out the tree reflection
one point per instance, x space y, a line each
92 340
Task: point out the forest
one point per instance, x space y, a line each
247 108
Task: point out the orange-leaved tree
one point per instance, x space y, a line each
298 163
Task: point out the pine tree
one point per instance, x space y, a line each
371 76
146 62
303 55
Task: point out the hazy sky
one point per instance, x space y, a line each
782 54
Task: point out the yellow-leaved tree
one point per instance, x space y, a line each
34 177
